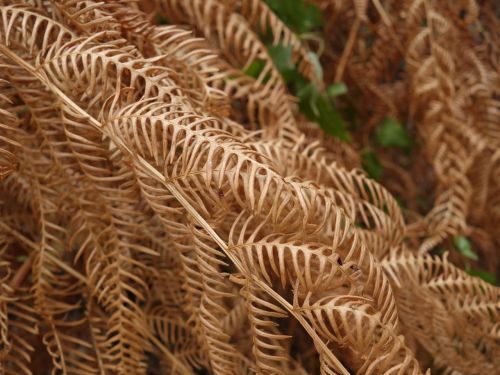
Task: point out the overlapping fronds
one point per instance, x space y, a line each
168 203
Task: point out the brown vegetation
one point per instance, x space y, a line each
168 206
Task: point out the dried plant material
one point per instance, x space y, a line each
169 203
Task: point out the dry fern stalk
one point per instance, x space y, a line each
167 206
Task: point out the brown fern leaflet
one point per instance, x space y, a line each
163 212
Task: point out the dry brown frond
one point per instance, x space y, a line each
163 209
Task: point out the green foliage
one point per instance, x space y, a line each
255 68
315 103
391 133
318 107
318 69
371 164
282 59
336 89
486 276
297 14
464 247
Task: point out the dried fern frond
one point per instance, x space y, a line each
164 210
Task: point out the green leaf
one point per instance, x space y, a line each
308 95
298 15
337 89
282 59
486 276
255 68
318 69
329 118
21 258
391 133
318 108
371 164
312 18
276 5
313 102
463 246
